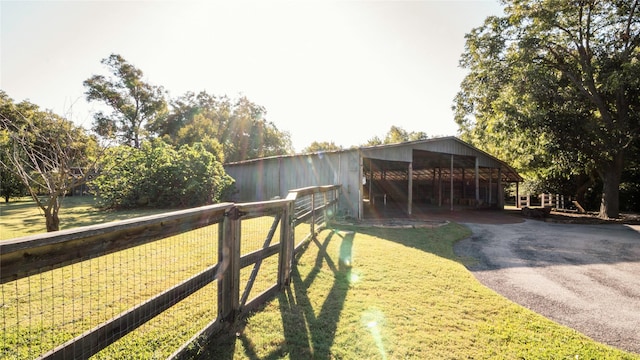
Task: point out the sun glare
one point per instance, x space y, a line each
373 319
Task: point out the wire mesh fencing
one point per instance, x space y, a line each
71 294
149 287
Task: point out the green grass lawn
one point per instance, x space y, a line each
21 217
356 293
42 311
372 293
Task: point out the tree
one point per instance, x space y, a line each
10 183
321 146
396 135
134 104
559 84
49 154
237 125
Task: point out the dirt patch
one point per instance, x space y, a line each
439 215
399 223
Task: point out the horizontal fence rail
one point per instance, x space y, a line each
154 287
556 202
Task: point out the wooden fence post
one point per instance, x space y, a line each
229 262
287 240
313 215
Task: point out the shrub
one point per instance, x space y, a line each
158 175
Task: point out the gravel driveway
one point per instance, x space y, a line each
586 277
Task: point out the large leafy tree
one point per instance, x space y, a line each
238 126
50 155
134 103
555 86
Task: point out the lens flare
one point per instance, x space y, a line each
354 277
373 320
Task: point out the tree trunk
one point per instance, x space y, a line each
51 215
584 182
53 222
611 175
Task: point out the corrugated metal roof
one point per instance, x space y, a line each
424 154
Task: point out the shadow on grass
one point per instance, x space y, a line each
306 335
10 208
438 241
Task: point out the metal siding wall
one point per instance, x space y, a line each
350 179
237 173
448 146
302 171
445 146
391 153
265 178
268 177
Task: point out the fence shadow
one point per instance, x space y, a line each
306 335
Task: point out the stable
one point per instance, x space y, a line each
438 173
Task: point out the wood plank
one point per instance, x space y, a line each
28 255
258 262
579 207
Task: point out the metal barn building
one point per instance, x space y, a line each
440 172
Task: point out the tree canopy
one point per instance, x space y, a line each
318 146
396 134
237 126
50 155
554 87
134 104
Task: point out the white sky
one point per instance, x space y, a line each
324 70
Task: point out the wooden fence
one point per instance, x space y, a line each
66 295
556 201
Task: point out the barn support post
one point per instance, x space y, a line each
464 190
433 187
477 182
451 187
410 188
490 185
500 190
370 182
518 194
439 187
